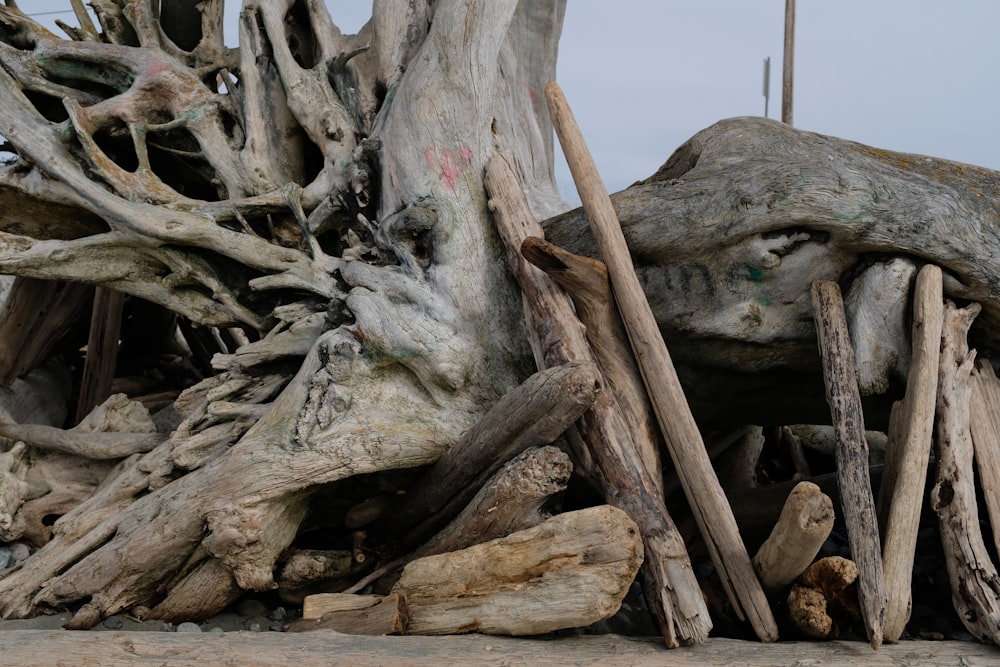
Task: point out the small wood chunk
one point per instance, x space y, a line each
857 501
805 522
570 571
315 606
823 602
387 615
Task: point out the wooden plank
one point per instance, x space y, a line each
56 648
701 486
857 501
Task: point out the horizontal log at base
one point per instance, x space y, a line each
570 571
278 649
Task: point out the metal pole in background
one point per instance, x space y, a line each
767 83
788 65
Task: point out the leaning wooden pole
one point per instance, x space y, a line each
857 501
694 468
671 589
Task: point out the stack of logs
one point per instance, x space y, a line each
608 382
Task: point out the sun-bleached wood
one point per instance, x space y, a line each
586 281
277 649
569 571
684 442
804 524
984 425
908 452
975 582
857 501
605 446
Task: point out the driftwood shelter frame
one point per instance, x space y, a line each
344 241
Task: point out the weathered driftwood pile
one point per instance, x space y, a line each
618 370
473 545
475 548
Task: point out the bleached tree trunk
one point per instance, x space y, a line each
320 190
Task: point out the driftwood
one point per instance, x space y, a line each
857 501
372 615
908 451
804 524
586 281
731 231
275 649
984 426
569 571
672 592
102 350
975 584
823 601
509 501
535 413
33 317
684 442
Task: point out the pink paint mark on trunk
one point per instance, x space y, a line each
450 164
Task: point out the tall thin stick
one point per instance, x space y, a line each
701 486
857 501
910 444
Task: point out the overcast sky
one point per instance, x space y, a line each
920 76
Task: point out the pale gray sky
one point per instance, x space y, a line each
918 76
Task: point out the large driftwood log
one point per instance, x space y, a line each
730 232
857 501
276 649
975 583
570 571
984 425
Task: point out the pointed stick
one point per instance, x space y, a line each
857 501
701 486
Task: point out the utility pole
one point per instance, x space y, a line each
788 65
767 83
